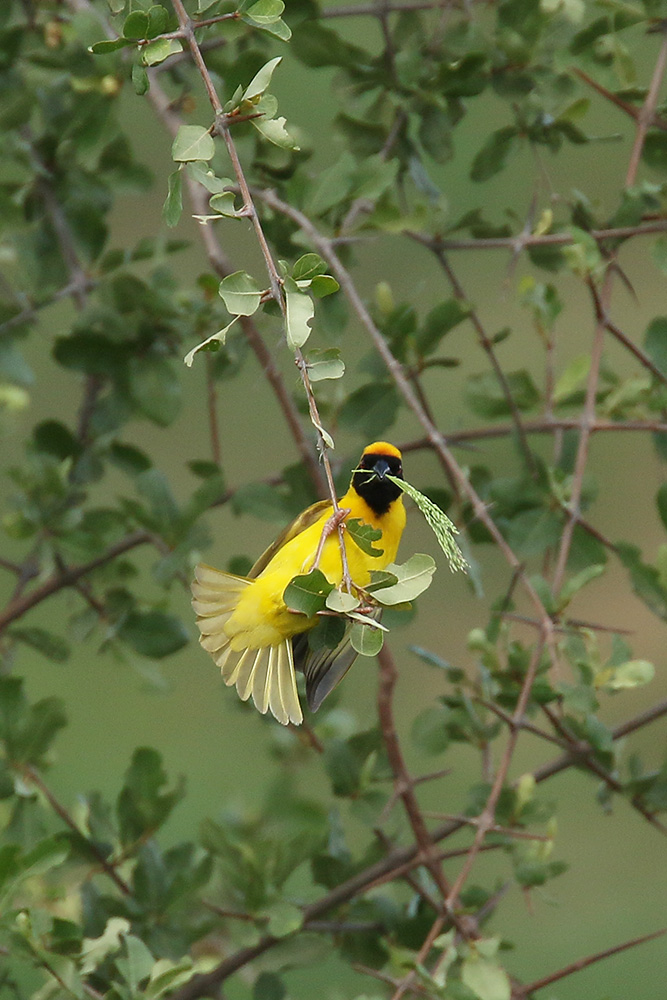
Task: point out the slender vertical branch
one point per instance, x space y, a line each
647 111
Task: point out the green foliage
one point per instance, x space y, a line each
119 456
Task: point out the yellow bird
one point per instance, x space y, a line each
245 625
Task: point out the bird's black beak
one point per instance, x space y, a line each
381 468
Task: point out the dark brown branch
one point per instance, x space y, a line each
547 425
647 111
616 331
68 578
524 240
33 778
402 780
583 963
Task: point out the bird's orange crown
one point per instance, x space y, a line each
382 448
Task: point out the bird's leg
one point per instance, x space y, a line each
331 525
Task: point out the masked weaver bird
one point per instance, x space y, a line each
245 625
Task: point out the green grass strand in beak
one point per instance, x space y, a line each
443 529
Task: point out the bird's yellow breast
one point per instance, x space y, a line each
261 617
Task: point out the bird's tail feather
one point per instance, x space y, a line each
266 673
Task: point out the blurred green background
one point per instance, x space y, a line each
616 885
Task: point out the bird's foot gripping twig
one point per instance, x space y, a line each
332 524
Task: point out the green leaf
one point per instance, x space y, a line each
95 950
216 338
284 918
137 964
341 601
265 11
307 594
27 730
274 130
143 805
486 396
110 45
135 25
53 647
371 409
413 577
158 21
577 582
318 46
486 979
155 388
262 501
364 535
573 378
129 459
16 868
240 293
325 365
159 50
440 524
204 175
173 205
491 158
260 81
268 986
323 285
365 639
300 313
334 184
224 203
655 342
192 142
443 318
140 80
276 28
429 730
308 266
328 632
654 150
631 674
154 633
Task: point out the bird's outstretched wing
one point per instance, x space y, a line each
266 673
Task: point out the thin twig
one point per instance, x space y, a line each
33 778
68 578
486 818
647 111
583 963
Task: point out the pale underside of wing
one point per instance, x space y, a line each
266 674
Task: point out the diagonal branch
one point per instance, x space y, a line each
68 577
525 991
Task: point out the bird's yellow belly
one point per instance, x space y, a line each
261 617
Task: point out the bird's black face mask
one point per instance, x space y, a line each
370 481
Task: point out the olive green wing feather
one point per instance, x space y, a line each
325 668
299 524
